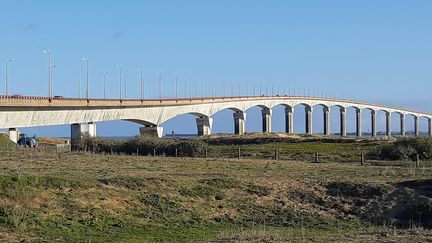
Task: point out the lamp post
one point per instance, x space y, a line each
79 82
49 73
141 83
223 88
87 74
104 85
6 80
125 77
160 86
52 78
176 86
120 80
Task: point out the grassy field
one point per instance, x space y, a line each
100 198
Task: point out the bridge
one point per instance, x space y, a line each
82 114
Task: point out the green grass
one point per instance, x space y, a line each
5 141
302 151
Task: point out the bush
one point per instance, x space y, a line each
405 148
142 145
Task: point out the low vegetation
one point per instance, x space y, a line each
405 149
142 146
95 197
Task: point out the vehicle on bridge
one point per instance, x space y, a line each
25 141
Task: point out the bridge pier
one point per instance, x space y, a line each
78 130
326 115
266 120
429 127
358 122
14 134
402 125
343 122
416 126
388 124
308 113
204 125
289 120
151 131
373 124
239 122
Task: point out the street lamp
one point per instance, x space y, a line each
49 73
141 83
160 86
125 76
176 86
6 63
87 82
120 79
104 85
52 78
79 82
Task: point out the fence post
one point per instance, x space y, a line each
316 158
154 152
239 153
362 159
276 154
176 152
417 162
206 153
137 152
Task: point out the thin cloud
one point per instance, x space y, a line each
30 28
118 35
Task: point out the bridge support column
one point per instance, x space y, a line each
402 125
14 134
429 127
266 120
373 124
204 125
289 120
358 123
343 122
388 124
308 112
84 129
239 123
151 131
326 115
416 126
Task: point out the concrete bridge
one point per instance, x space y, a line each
82 114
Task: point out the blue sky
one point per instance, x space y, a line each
377 51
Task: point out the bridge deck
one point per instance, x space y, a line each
40 101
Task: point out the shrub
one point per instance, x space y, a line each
405 148
142 145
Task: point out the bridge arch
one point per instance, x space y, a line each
303 114
237 126
321 119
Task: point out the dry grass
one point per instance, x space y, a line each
176 199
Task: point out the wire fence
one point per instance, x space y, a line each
245 154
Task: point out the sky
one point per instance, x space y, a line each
376 51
